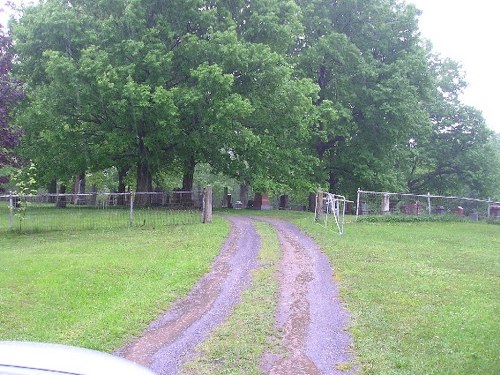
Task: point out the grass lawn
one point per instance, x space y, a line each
97 288
45 217
424 296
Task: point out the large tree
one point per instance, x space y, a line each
372 71
277 93
10 94
163 85
97 88
458 157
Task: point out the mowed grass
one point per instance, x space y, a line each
98 288
424 296
45 217
237 345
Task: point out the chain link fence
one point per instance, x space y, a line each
383 203
99 210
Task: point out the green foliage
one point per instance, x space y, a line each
109 86
374 76
25 181
103 181
459 156
280 94
204 176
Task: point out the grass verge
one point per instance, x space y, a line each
237 345
98 288
424 296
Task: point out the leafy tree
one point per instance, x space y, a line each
282 94
10 94
132 85
269 149
105 103
25 182
459 156
249 135
372 71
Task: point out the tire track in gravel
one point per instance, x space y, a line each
310 314
171 340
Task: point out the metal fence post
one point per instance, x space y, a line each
357 205
131 215
429 203
11 211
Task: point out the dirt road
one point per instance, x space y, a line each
310 315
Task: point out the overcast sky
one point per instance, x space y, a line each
466 31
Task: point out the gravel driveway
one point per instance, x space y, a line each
310 315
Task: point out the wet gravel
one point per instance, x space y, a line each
170 340
310 316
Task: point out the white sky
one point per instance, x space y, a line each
464 30
468 31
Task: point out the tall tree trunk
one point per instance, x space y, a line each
79 188
312 202
244 187
187 182
144 177
93 197
332 181
187 178
144 183
52 189
82 183
61 201
122 173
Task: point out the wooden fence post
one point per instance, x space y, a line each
207 205
318 212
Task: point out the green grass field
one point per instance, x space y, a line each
424 296
97 288
45 217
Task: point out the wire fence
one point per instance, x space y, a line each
99 210
383 203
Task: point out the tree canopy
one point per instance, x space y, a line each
281 94
10 94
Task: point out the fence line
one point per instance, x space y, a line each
101 209
386 203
